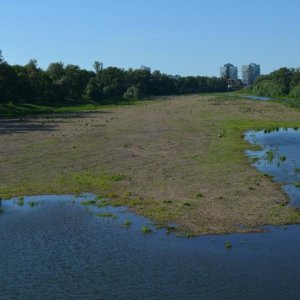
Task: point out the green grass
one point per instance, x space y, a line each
15 110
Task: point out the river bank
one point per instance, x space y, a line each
173 159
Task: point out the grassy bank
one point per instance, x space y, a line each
20 110
174 159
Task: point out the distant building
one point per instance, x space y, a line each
250 73
146 68
229 71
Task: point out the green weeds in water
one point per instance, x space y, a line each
199 195
88 202
146 229
270 156
106 215
21 201
32 203
127 223
228 245
282 158
1 210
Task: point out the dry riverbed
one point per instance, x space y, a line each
174 159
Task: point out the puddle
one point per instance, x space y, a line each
279 158
61 249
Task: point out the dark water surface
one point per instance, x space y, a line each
60 249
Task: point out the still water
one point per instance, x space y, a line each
53 247
279 158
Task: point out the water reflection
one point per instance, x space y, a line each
279 157
61 249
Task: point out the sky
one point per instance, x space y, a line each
184 37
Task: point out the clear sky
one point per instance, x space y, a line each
185 37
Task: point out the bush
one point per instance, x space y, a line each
132 92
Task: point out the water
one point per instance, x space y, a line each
279 158
60 249
261 98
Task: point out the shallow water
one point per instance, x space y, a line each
279 158
60 249
261 98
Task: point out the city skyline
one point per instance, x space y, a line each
170 36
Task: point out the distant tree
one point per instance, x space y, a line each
1 57
98 66
132 92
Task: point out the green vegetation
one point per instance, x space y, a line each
30 90
88 202
106 215
1 210
228 245
21 201
32 203
127 223
281 83
146 229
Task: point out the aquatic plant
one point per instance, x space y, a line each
146 229
270 156
187 204
21 201
106 214
282 158
127 223
1 210
31 203
199 195
228 245
88 202
171 229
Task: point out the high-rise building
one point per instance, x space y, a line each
144 68
229 71
250 73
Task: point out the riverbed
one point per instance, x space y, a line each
72 247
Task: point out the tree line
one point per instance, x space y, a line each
284 82
60 84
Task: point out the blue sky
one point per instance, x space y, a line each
185 37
